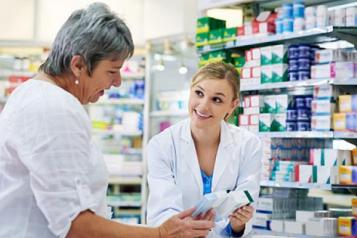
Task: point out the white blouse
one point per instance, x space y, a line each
49 169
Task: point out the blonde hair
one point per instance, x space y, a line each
218 70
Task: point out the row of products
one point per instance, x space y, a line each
280 63
291 17
295 17
116 118
283 216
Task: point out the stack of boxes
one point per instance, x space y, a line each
301 57
346 118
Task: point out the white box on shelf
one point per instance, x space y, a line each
303 173
243 120
294 227
277 225
344 70
321 122
256 72
321 174
265 120
256 101
304 216
253 120
325 227
322 106
246 72
323 71
265 204
246 101
323 91
255 54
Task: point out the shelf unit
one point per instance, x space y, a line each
120 142
316 35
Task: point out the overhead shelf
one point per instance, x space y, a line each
316 35
120 101
169 113
295 185
302 83
297 134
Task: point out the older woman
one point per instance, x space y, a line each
52 179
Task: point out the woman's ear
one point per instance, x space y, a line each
234 106
77 65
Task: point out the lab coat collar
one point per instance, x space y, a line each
222 158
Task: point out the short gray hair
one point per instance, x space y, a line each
95 34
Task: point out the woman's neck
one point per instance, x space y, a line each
206 136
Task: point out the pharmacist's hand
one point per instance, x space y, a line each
240 217
184 226
208 216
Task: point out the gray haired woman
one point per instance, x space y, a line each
52 179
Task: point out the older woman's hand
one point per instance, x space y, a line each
240 217
184 226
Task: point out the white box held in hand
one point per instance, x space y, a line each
223 203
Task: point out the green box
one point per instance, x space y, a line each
266 74
265 55
202 39
279 54
229 34
269 104
279 73
215 36
206 24
265 120
279 122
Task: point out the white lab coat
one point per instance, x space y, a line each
174 175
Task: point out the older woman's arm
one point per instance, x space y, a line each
87 224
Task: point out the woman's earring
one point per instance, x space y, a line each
76 82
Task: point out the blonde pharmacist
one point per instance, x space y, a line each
53 181
204 154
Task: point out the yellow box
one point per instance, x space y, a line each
345 174
354 207
345 103
345 226
339 121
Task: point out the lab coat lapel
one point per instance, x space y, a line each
224 153
189 155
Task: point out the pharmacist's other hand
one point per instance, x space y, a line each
240 217
208 216
183 225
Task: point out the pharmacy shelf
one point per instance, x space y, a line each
315 35
129 211
345 135
344 186
125 180
295 84
169 113
294 185
117 132
331 198
120 101
297 134
7 73
265 4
